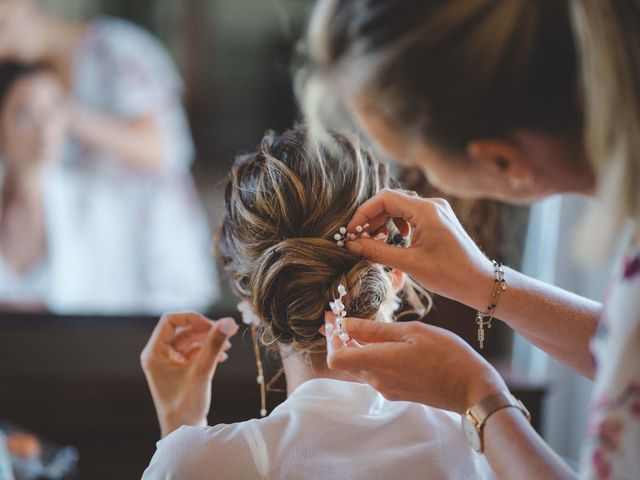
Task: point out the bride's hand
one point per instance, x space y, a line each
442 257
412 361
179 361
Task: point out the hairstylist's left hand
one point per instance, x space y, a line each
415 362
179 362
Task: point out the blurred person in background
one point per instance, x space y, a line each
132 149
33 126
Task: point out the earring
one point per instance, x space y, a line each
251 319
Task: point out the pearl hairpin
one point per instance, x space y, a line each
337 307
342 237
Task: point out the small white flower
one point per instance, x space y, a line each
248 315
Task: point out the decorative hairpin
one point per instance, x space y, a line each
337 307
250 318
342 237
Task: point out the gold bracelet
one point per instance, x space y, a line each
483 319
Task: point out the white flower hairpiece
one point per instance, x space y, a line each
338 309
342 237
248 315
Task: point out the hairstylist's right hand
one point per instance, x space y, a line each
179 361
442 257
412 361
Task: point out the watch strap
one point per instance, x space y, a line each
481 411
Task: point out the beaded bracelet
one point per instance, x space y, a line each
483 319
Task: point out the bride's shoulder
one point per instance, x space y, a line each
195 452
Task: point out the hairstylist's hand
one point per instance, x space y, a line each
414 362
179 362
442 257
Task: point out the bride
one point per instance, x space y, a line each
282 243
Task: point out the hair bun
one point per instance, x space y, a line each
284 202
295 279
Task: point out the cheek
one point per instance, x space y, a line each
457 179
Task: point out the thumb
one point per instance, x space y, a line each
214 344
368 331
381 252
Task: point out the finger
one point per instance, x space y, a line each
223 357
169 323
185 340
216 339
368 331
363 360
381 252
176 356
191 350
389 203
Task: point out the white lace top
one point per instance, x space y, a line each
327 429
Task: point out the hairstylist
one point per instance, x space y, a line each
514 100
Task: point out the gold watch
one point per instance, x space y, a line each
475 417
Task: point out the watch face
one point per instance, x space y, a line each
471 433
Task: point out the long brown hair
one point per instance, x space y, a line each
284 203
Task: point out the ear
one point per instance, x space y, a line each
398 279
502 159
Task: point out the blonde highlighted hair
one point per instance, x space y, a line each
284 203
608 38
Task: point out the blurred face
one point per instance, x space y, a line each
521 169
33 122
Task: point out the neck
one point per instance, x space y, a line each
60 41
298 370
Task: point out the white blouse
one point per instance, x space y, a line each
326 429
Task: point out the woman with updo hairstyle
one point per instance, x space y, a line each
513 100
284 204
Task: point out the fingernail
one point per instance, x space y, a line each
355 246
227 326
223 356
380 236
